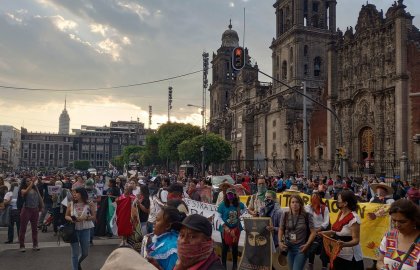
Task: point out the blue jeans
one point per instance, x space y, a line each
83 237
295 259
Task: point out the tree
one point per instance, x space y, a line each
171 135
118 161
132 153
82 165
151 154
216 148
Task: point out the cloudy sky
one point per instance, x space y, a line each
73 44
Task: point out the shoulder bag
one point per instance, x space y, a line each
413 245
67 231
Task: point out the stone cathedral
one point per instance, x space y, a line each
369 75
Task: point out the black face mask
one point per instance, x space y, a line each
268 202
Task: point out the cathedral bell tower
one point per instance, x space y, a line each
304 30
223 79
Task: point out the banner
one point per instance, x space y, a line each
371 230
257 253
332 249
54 190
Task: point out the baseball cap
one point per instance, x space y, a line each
199 223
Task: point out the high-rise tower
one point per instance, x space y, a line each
64 122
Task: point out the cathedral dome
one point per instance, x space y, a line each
230 37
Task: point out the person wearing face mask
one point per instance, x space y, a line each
257 200
272 210
230 227
195 246
321 217
346 230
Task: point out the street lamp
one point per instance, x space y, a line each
204 133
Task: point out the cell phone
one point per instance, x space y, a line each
73 218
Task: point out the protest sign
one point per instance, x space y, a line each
257 252
54 190
371 231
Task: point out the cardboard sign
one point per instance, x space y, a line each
54 190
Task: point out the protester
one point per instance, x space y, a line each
32 204
143 204
82 214
296 233
400 246
10 198
47 199
93 198
383 193
113 191
193 192
225 185
195 245
346 230
154 207
257 200
57 208
272 210
321 218
163 251
230 227
413 193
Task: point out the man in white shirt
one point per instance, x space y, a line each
10 198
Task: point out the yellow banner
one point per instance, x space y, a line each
371 231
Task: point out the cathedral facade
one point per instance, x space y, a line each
367 76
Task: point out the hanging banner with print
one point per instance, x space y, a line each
257 252
332 248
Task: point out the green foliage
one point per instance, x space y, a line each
216 149
132 153
151 154
81 164
118 161
171 135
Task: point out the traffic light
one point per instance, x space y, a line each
238 58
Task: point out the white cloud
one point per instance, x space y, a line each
99 28
141 11
110 47
126 41
63 24
231 4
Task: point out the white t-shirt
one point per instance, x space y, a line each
319 220
347 253
13 199
393 257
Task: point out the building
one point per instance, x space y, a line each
48 150
376 91
101 144
369 77
64 121
10 141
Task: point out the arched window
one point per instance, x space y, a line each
320 153
284 70
317 66
291 54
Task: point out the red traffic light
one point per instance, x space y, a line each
238 58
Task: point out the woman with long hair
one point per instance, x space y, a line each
82 214
346 230
143 207
296 233
230 211
397 246
31 205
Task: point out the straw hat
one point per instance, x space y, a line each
389 190
293 188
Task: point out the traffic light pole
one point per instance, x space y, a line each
340 127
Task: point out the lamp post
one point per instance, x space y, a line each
203 127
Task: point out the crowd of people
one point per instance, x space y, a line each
153 220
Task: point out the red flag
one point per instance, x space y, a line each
125 227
